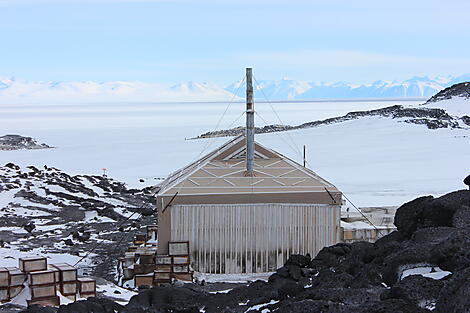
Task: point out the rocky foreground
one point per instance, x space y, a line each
432 240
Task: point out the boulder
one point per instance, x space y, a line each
455 295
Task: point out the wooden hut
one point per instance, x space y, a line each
245 208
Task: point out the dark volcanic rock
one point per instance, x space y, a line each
15 142
455 295
457 90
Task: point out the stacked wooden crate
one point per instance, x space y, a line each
41 280
44 281
67 280
175 265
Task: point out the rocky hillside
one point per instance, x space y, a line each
422 267
48 212
457 90
16 142
432 117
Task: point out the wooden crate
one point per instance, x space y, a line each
4 294
43 291
147 258
32 264
183 276
180 260
163 268
180 269
139 239
4 277
41 278
129 259
163 260
177 248
86 285
52 301
66 272
15 290
140 269
143 280
56 272
131 248
161 276
17 277
68 288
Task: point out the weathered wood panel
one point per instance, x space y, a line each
248 238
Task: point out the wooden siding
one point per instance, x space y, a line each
248 238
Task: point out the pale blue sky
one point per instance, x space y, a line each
175 41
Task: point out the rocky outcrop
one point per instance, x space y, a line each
457 90
431 118
17 142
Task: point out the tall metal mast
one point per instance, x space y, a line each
250 123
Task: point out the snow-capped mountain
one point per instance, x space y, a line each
17 91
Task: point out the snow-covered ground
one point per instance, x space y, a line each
374 161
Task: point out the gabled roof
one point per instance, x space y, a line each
221 176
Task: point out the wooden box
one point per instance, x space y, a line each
147 258
176 248
41 278
52 301
129 259
68 288
143 280
183 276
180 268
140 269
86 285
159 276
17 277
139 239
4 294
32 264
4 277
180 260
67 272
163 268
15 290
43 291
163 259
56 272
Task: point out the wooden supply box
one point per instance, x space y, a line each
4 294
14 291
162 277
147 258
68 288
139 239
129 259
4 277
128 273
43 291
67 272
32 264
41 278
52 301
17 277
143 280
163 260
178 248
163 268
183 276
180 268
131 248
180 260
86 285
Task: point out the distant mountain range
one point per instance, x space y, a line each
17 91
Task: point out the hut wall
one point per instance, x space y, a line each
249 238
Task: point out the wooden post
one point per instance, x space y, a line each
305 155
